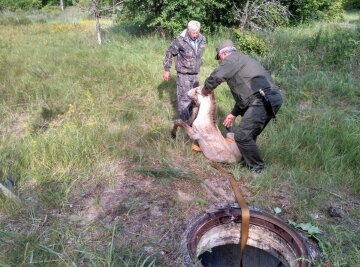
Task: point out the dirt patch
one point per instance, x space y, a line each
150 214
15 128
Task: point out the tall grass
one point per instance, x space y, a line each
70 108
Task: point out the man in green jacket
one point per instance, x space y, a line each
257 99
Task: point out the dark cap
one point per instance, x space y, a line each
224 44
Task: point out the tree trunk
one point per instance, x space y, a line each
98 30
244 16
62 5
96 12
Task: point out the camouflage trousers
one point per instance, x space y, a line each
185 82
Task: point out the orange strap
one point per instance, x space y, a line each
245 212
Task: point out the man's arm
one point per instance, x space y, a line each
214 80
223 72
236 111
171 52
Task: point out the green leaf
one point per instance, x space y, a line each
308 227
277 210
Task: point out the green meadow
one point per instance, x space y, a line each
85 138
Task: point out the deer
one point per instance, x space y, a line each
205 132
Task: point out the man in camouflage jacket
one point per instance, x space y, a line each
187 49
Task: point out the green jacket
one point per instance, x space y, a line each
244 75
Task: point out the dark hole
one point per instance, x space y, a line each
229 255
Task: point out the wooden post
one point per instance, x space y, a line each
96 12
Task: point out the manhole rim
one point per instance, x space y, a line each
257 218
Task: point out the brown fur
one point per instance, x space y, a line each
205 131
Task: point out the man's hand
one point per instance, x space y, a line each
166 75
205 91
229 120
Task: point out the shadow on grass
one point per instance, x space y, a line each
167 89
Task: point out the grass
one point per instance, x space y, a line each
77 119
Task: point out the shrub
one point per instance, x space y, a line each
20 4
261 14
249 42
171 16
309 10
352 4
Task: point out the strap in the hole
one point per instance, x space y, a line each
245 212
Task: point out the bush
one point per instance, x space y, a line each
309 10
172 16
262 14
20 4
352 4
54 10
249 43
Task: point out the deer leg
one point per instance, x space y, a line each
188 129
194 113
177 123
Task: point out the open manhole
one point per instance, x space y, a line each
212 239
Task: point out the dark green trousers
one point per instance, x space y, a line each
254 120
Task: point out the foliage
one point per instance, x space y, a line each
307 227
261 14
351 4
249 43
170 16
310 10
20 4
13 5
277 210
57 2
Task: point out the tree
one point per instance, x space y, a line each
20 4
99 7
170 16
260 14
309 10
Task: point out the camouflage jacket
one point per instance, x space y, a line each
188 58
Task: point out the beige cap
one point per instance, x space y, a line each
224 44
